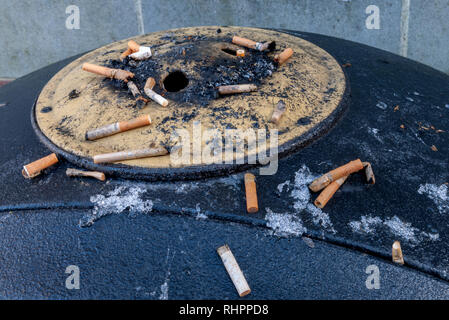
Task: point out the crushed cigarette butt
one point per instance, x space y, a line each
118 127
234 271
129 155
326 179
396 108
346 65
370 178
238 88
284 56
329 192
35 168
143 53
70 172
136 51
252 205
279 110
397 253
434 148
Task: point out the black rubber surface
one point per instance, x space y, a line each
130 255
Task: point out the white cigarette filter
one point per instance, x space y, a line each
143 53
118 127
156 97
234 270
129 155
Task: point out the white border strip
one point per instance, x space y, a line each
139 13
405 19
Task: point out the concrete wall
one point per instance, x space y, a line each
33 33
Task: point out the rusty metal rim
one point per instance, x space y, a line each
198 172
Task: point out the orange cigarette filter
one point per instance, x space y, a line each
329 192
326 179
118 127
284 56
396 253
126 53
240 53
108 72
150 83
251 193
35 168
133 46
244 42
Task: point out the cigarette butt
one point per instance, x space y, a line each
370 178
125 54
150 83
129 155
238 88
251 193
108 72
234 271
326 179
266 45
240 53
279 110
143 53
284 56
329 192
35 168
396 253
118 127
156 97
133 46
134 90
78 173
244 42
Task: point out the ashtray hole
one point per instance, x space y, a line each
175 81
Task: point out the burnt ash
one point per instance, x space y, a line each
211 70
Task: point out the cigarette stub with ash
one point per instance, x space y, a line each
129 155
35 168
234 271
118 127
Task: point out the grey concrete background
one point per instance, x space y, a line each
33 33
